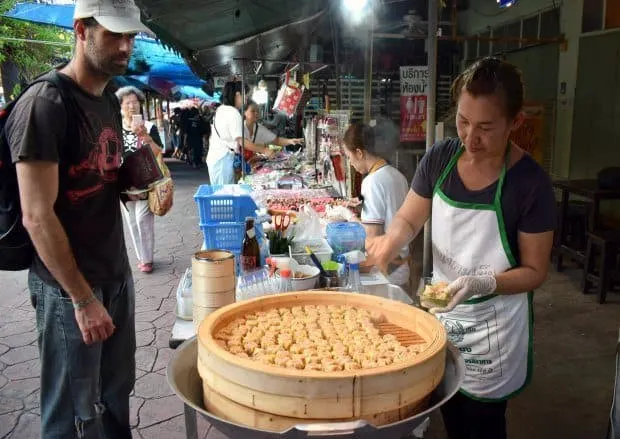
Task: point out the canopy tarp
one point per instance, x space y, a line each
151 61
212 33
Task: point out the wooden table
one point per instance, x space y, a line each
588 189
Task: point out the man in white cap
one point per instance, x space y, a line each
65 139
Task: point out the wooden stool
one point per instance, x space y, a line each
609 243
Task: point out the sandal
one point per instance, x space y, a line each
146 268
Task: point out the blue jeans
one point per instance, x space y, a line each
84 389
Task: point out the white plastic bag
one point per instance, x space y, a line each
185 300
308 226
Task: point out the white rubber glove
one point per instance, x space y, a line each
464 288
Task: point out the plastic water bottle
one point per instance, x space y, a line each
285 281
354 283
345 237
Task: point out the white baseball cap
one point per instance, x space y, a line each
118 16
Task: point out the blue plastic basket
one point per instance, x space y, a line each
227 236
223 208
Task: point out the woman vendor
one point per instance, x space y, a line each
384 188
493 216
227 135
259 135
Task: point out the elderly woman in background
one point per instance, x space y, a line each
138 133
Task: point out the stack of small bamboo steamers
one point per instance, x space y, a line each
213 282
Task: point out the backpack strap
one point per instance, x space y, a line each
53 77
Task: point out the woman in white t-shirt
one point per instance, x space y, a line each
227 135
258 134
384 188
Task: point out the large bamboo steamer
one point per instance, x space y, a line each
322 395
234 412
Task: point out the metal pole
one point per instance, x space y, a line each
336 46
242 117
433 10
368 72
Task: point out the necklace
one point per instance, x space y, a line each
378 165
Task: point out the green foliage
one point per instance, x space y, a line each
32 59
278 244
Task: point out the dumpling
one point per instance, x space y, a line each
369 364
314 366
332 367
351 365
249 346
295 364
236 350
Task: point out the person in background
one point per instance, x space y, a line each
258 134
227 135
194 131
138 216
175 132
80 282
384 188
492 210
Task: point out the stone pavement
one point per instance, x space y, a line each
570 396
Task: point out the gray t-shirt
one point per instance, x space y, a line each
87 204
528 201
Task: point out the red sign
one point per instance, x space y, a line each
413 118
413 102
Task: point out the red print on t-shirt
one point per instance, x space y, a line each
103 162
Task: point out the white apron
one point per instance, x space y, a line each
493 332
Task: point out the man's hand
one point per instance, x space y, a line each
94 322
464 288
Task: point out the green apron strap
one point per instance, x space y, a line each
500 183
448 169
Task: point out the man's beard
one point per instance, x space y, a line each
100 64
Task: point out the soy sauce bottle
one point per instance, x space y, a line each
250 251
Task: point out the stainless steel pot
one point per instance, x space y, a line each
183 377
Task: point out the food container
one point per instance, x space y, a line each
306 283
213 282
320 247
272 398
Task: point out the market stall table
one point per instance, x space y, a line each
590 190
375 282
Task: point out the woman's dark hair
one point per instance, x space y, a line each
231 88
379 138
492 76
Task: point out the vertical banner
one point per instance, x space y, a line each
413 101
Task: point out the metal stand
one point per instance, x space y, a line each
191 422
243 118
427 266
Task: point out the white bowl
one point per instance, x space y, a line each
306 283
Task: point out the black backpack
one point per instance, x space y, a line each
16 249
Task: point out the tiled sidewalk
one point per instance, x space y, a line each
155 411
